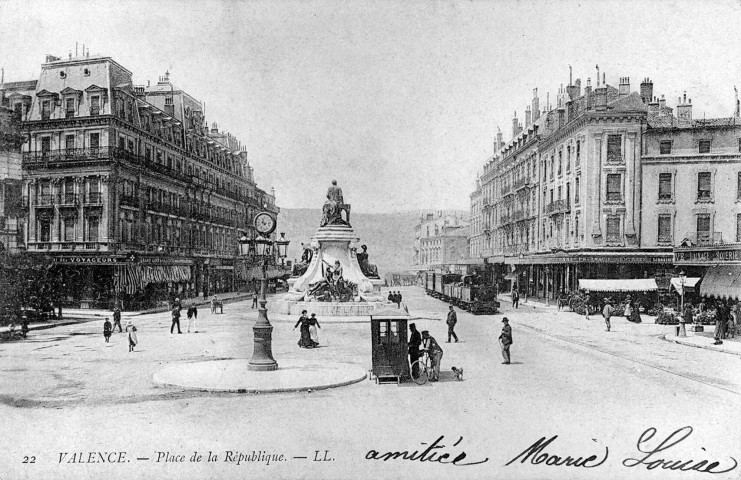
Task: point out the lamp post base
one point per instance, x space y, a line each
262 353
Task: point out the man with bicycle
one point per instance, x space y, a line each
415 341
429 344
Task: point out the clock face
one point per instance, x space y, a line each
264 223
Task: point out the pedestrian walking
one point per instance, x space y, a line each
191 318
607 313
505 340
435 352
415 341
720 323
24 326
451 321
214 302
303 322
313 332
391 297
398 299
515 298
175 319
117 319
131 330
107 330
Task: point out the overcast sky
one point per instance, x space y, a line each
399 101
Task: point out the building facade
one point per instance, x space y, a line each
442 239
567 191
127 189
12 216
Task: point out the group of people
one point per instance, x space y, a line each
309 333
395 297
422 342
108 329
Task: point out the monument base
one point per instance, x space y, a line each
327 309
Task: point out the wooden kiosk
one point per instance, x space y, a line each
390 347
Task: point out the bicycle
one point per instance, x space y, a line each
424 368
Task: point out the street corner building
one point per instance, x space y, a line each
607 183
126 188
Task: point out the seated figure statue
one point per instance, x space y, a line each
333 207
368 269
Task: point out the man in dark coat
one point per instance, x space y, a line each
435 352
175 319
451 321
391 297
415 340
515 298
505 340
117 319
398 299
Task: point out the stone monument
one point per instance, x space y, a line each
332 278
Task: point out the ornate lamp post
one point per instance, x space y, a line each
263 250
682 329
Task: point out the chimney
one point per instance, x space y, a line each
516 127
574 90
647 90
600 98
597 66
528 117
535 105
662 103
500 140
624 87
214 128
684 111
588 93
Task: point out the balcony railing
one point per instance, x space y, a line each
705 238
44 201
522 183
68 199
556 207
94 198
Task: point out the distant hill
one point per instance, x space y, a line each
389 236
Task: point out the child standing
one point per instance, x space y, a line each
107 330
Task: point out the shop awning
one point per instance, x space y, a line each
723 281
689 284
515 274
130 278
619 285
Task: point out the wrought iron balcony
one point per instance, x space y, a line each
705 238
556 207
69 199
94 198
523 182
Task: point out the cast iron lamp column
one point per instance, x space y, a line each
262 353
682 329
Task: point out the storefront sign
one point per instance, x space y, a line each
704 256
597 258
90 260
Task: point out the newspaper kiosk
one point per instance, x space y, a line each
389 344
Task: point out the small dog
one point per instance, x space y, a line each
458 373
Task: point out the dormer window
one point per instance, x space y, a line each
46 110
69 108
95 105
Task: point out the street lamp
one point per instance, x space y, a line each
682 329
262 249
547 300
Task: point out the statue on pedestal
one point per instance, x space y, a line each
333 207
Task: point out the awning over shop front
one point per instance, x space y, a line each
515 274
619 285
130 278
723 281
689 284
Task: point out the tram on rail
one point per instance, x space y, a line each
464 291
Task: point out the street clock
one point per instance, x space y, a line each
265 223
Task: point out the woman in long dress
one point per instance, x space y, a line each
305 340
313 332
635 312
131 330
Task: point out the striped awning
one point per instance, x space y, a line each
619 285
130 278
689 284
722 281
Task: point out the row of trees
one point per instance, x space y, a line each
26 282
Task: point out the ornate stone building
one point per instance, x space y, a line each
127 188
442 239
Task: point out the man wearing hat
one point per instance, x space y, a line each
415 340
607 313
435 352
505 340
451 321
